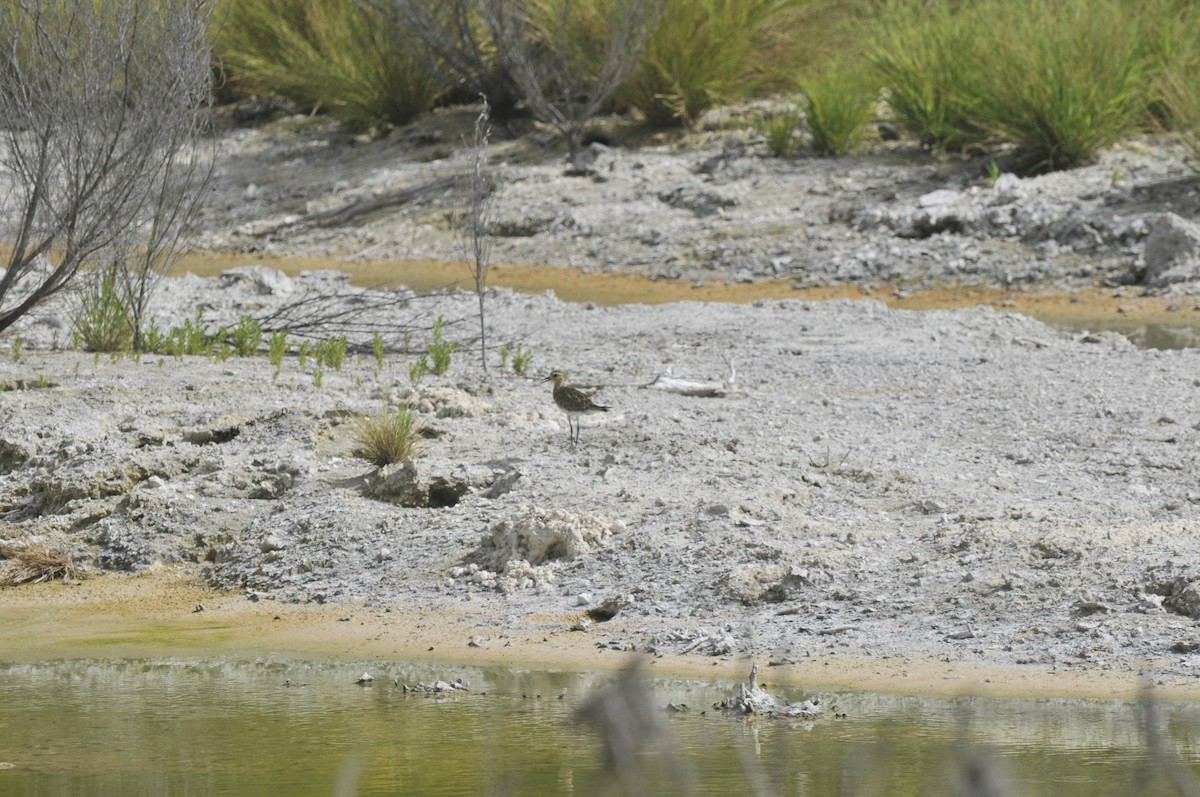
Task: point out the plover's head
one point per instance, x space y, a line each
557 377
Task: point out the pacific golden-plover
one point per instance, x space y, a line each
573 401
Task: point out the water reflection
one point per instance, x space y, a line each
272 727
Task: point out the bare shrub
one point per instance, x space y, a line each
458 51
478 217
568 57
102 106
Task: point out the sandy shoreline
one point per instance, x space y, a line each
153 615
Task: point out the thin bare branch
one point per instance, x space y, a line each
566 63
101 114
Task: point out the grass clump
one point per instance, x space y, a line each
1059 80
1065 79
189 339
331 353
388 438
277 348
1176 49
924 54
839 106
781 129
417 369
377 349
102 317
704 52
348 58
440 351
522 358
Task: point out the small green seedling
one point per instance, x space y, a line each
522 358
377 348
440 351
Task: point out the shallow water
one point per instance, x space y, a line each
274 727
1147 321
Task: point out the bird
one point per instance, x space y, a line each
573 401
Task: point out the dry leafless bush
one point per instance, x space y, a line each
31 562
101 114
458 50
568 57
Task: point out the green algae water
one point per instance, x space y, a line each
272 727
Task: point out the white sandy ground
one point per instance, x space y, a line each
949 501
953 488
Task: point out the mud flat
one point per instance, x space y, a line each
967 487
928 499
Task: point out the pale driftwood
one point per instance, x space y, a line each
687 387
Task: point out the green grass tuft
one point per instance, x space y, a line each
705 52
925 55
1065 79
388 438
440 351
839 106
781 130
102 319
351 59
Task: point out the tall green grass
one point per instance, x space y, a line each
705 52
1063 80
838 106
1060 79
1174 42
924 56
341 56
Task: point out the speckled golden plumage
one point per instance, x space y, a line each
573 401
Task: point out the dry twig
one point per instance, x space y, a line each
33 562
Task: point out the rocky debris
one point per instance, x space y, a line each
710 642
432 483
257 281
515 575
690 387
437 687
1180 594
12 455
770 583
719 207
699 199
523 551
447 401
753 699
1172 252
416 484
537 535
